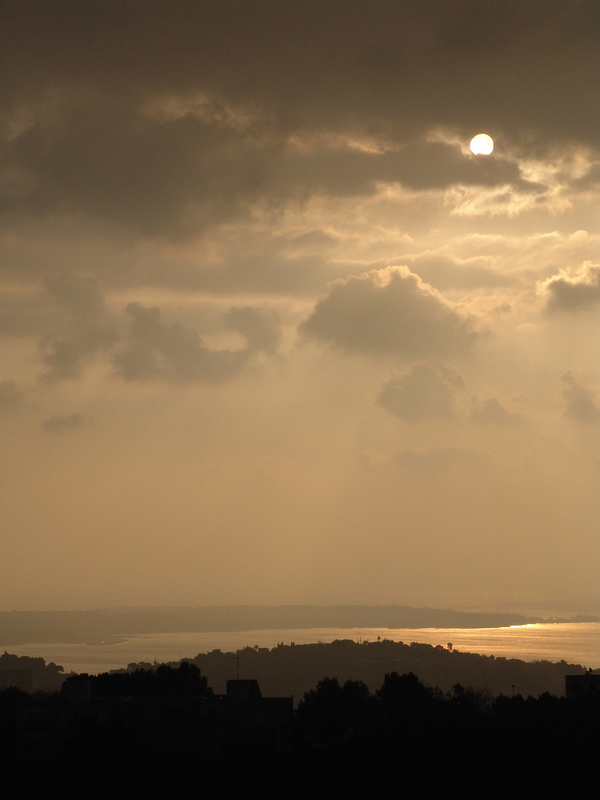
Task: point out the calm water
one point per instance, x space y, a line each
576 643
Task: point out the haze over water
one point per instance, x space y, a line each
575 643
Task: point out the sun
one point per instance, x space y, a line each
482 144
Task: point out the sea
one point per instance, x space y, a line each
572 642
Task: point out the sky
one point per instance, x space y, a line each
270 333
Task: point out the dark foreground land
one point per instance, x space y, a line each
165 730
159 728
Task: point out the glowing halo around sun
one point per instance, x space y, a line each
482 144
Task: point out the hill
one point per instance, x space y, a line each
296 669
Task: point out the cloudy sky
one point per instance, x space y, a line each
270 332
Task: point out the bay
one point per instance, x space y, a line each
573 642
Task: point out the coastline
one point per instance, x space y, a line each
97 625
575 642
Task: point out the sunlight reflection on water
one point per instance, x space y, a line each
576 643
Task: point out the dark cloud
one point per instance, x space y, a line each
79 294
168 118
64 424
428 391
159 177
575 292
492 412
67 301
82 333
11 396
23 314
493 64
175 177
389 312
437 391
82 329
64 356
581 401
338 168
156 349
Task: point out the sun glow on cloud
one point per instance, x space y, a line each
202 106
308 141
471 201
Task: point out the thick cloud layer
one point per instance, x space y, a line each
517 59
167 120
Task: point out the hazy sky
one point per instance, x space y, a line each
270 332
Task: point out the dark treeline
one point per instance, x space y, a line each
405 715
22 670
341 733
488 744
186 680
295 669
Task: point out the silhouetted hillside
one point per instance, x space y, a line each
293 670
296 669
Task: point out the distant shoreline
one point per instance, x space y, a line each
22 627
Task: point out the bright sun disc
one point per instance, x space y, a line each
482 144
